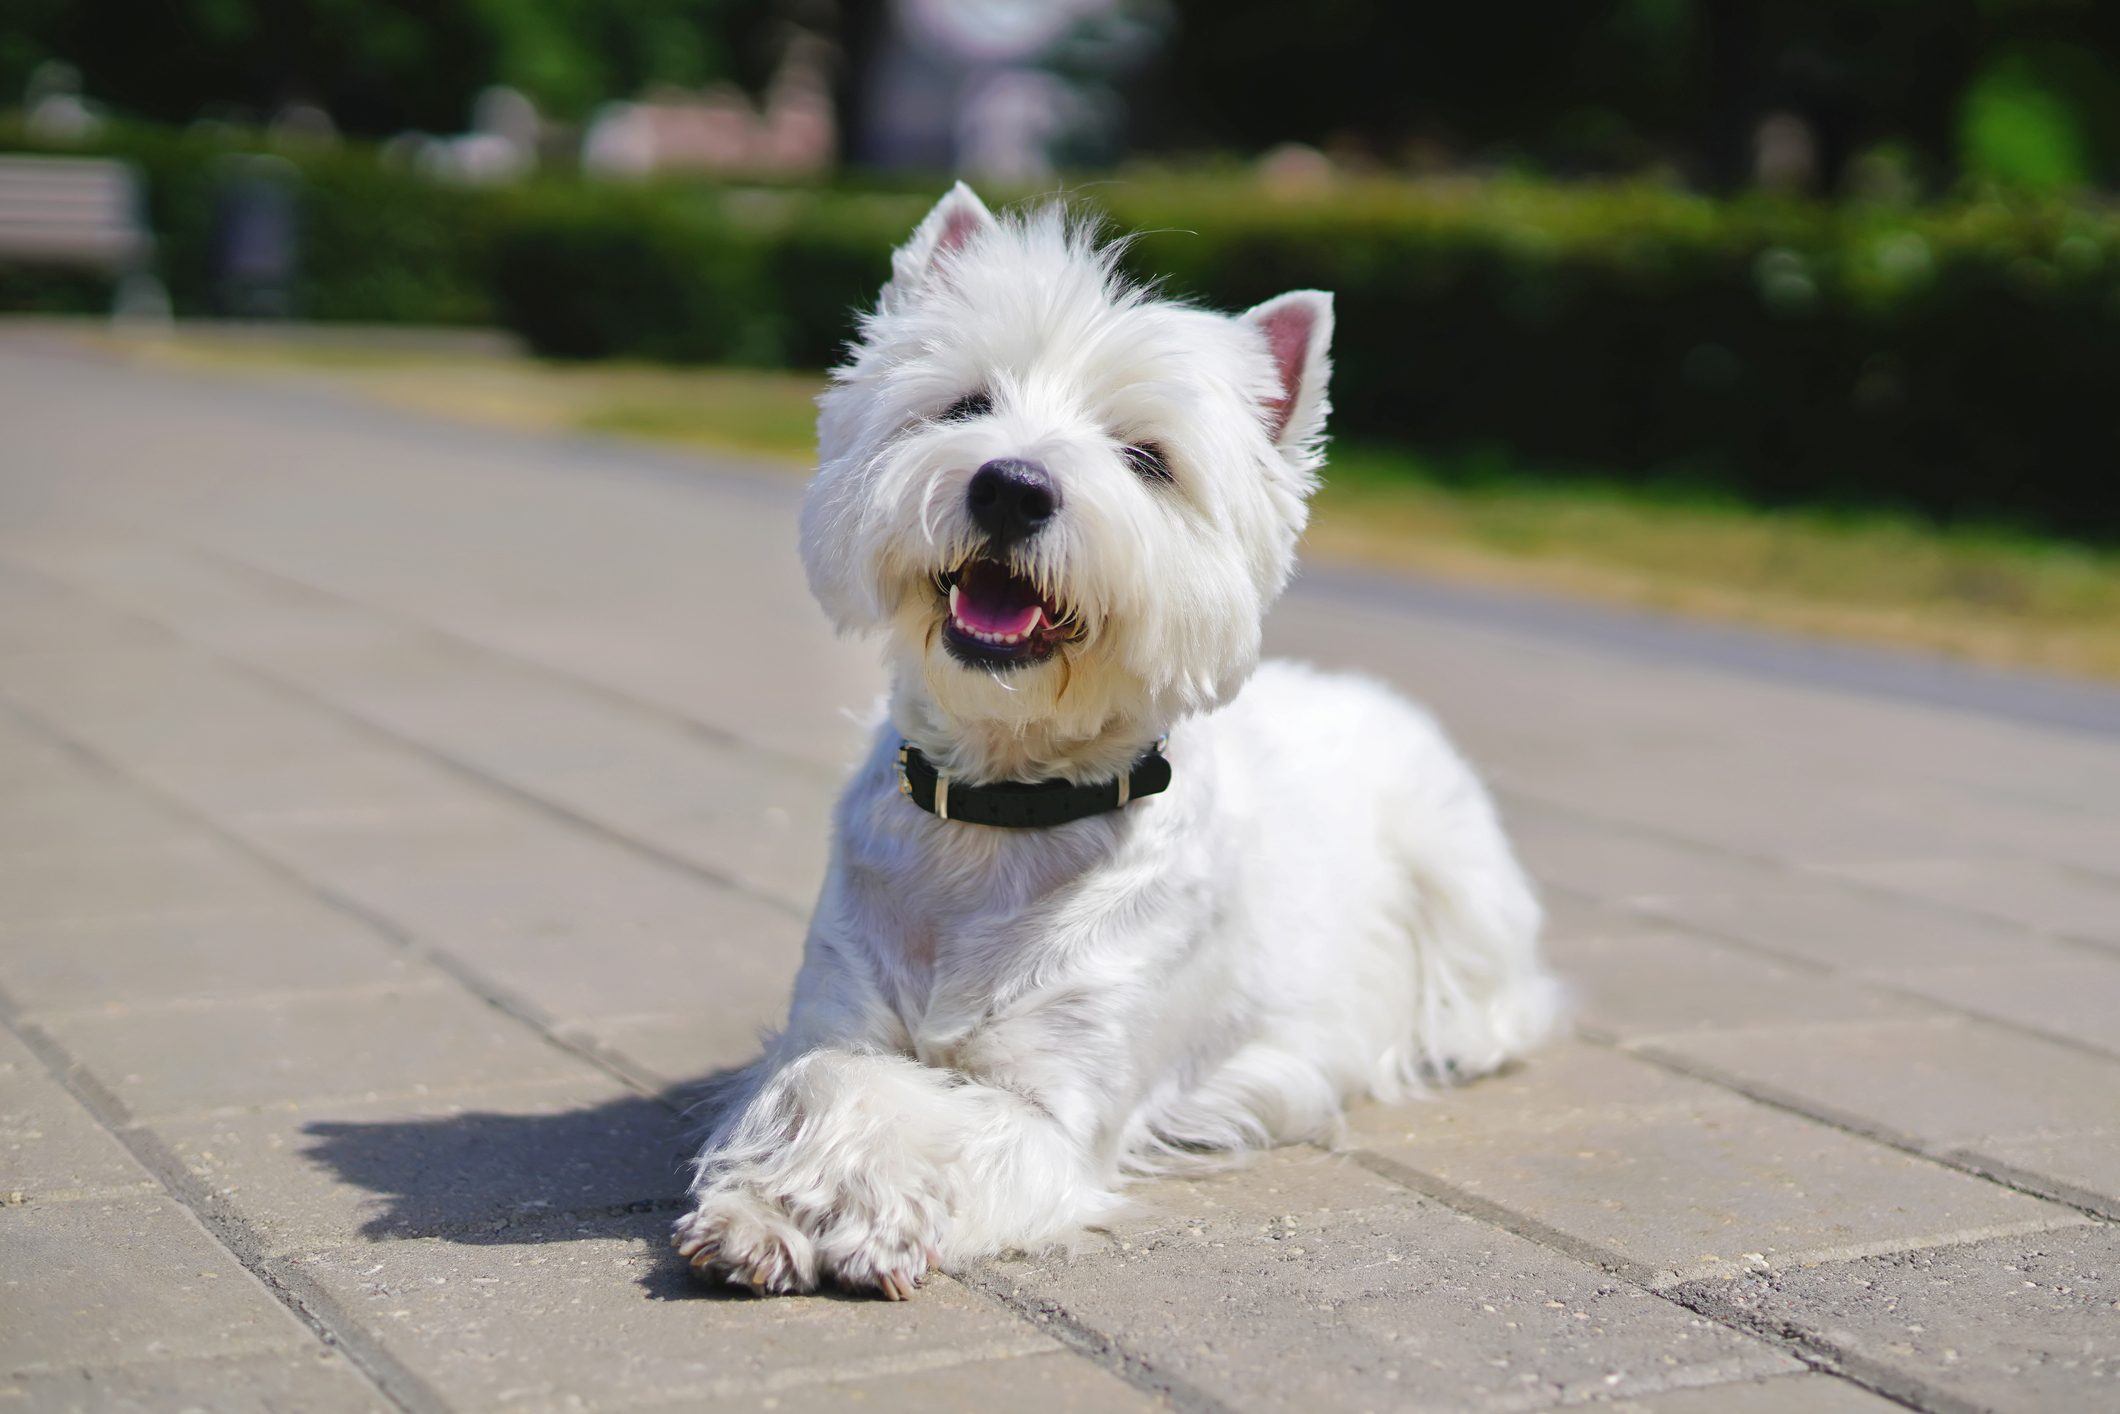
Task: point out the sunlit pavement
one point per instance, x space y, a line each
396 818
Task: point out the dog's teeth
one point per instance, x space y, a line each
953 603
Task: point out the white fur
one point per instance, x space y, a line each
992 1027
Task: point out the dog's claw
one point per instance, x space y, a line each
893 1288
695 1249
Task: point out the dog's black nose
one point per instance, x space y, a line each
1010 500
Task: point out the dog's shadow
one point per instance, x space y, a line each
610 1170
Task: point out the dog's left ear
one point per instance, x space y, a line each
950 227
1298 330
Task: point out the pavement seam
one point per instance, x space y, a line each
1819 1351
317 1311
1086 1342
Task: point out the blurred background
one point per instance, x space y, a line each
1803 312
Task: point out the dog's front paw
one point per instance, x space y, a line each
735 1236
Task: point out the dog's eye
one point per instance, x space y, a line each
1148 462
969 406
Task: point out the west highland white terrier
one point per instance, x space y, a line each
1103 899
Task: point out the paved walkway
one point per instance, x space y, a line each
395 817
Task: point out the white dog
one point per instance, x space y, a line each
1091 909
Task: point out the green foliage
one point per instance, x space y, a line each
1957 361
1952 361
593 274
378 66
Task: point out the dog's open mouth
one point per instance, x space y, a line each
998 619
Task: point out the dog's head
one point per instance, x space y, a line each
1067 502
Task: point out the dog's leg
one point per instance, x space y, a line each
866 1169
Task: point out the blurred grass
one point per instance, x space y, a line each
1987 595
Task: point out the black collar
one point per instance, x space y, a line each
1025 805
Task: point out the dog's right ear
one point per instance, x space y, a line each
1298 330
956 220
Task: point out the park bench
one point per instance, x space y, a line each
78 213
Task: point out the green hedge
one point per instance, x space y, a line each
1958 361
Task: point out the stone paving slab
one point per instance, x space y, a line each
2030 892
186 878
110 1281
1853 929
1784 1394
2013 1324
1308 1282
598 1311
1942 1082
1051 1383
620 763
1694 1182
475 1166
290 947
395 1041
312 1382
2079 1167
76 814
50 1147
1662 982
2074 998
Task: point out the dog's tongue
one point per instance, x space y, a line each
990 599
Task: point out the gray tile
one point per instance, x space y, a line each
601 1312
1053 1383
1382 1299
1850 929
736 813
2082 1166
1617 865
170 712
2076 998
1671 982
1940 1083
731 958
1688 1180
2030 892
186 878
187 1059
474 1168
684 1048
50 1146
495 867
93 964
1784 1394
108 1281
318 1380
83 813
1558 1085
2012 1324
